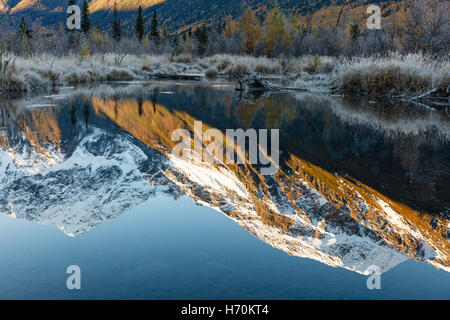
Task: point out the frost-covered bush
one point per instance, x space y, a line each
309 64
45 71
393 75
224 64
183 58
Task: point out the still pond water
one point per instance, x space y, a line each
87 178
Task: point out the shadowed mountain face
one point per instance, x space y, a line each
356 187
173 13
16 6
6 5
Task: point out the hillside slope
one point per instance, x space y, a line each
174 14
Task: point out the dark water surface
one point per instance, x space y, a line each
87 179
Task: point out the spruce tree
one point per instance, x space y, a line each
85 23
117 30
154 32
140 25
176 41
201 34
354 33
23 29
25 35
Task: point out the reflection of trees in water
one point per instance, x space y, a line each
398 149
4 122
391 155
8 114
86 113
316 140
275 108
140 101
73 115
154 98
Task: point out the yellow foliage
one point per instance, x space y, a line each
230 27
250 30
275 31
85 51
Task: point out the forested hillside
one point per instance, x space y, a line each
174 14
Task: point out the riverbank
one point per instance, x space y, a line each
392 76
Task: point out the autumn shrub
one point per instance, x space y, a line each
393 75
238 69
183 58
212 72
85 51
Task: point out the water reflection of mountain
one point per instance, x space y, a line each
355 187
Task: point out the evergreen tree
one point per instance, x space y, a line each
176 41
25 34
85 23
117 30
154 32
201 34
219 28
140 25
354 33
23 29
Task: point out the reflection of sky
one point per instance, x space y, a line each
175 249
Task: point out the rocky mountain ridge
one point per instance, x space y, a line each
81 176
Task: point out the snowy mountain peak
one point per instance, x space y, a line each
90 175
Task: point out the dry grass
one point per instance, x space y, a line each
34 73
309 64
229 65
183 58
394 75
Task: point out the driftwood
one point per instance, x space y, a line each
255 82
195 77
426 94
429 101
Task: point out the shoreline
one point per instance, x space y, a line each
414 77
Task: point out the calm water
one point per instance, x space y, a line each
87 179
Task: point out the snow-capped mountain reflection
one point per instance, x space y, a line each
79 165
